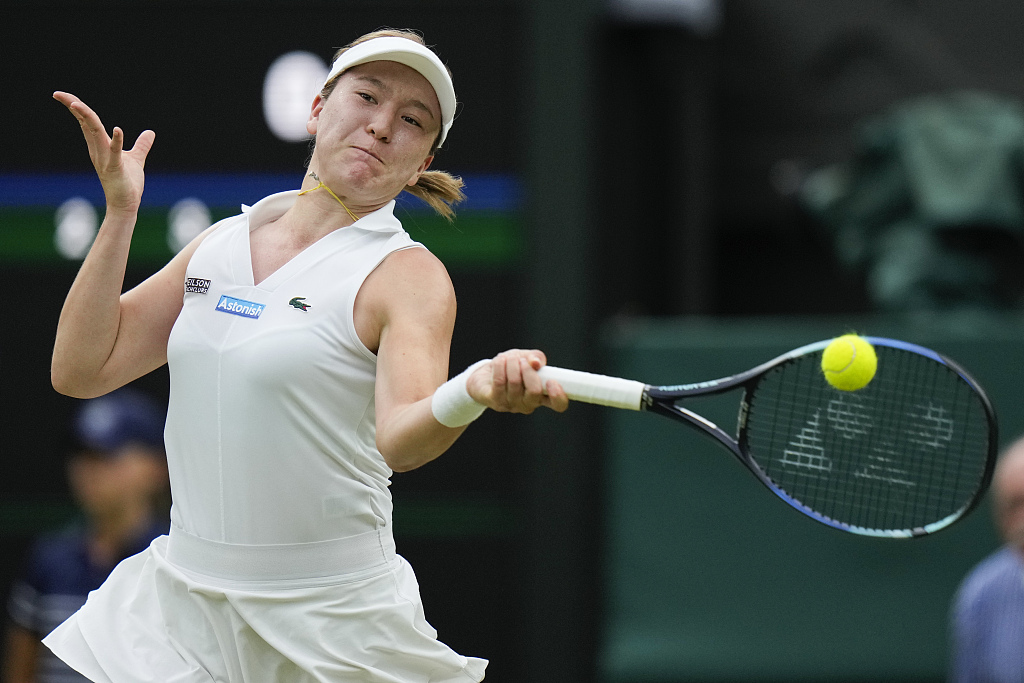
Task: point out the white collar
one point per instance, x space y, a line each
274 206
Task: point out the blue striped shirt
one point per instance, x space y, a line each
56 579
988 622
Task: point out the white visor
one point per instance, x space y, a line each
413 55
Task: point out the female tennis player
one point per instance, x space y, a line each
308 342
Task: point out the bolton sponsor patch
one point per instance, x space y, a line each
196 285
246 309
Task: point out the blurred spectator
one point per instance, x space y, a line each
118 476
931 207
988 612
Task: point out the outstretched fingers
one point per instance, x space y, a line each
120 170
143 144
92 127
139 151
117 141
104 150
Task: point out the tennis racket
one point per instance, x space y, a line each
906 456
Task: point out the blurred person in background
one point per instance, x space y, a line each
117 474
988 611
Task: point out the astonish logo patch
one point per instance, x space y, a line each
246 309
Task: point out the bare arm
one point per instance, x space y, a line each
104 339
413 309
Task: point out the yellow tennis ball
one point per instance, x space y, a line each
849 362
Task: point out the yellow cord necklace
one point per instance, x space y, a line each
320 184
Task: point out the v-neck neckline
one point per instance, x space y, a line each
285 270
274 206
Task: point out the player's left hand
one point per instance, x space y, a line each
121 172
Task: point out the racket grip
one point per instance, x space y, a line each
602 390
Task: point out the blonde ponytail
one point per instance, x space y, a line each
441 190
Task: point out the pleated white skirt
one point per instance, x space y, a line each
186 611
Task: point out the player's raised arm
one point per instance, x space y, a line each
100 342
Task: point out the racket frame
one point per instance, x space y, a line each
664 400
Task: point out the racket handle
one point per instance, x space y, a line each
602 390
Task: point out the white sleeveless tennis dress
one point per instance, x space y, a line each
280 564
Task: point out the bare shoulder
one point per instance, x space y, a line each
413 272
409 289
415 261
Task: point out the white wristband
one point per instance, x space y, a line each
452 405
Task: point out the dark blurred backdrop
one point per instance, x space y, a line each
646 166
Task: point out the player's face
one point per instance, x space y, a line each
375 131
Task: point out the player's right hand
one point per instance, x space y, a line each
510 384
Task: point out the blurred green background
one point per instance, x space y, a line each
646 198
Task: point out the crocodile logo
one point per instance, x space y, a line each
299 302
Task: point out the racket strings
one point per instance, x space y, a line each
907 451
